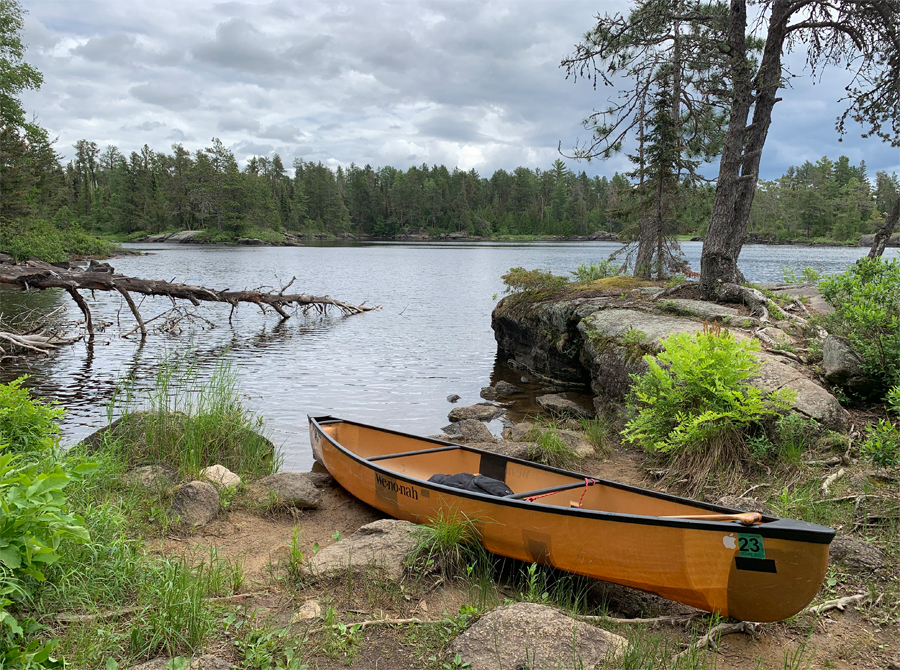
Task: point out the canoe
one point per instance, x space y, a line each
766 571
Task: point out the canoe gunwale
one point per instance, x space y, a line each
773 527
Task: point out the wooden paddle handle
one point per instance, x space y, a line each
746 518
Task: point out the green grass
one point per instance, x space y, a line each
190 423
448 544
550 448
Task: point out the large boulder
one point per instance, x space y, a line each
287 489
617 340
543 338
195 504
381 546
844 367
483 411
534 636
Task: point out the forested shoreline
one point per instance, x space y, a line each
118 196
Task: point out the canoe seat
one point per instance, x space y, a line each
401 454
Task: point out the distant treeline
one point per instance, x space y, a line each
151 192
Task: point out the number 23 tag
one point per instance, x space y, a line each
751 546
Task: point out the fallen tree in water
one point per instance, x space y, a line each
102 277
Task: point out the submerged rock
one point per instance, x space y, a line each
534 636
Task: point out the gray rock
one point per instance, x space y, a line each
534 636
484 411
708 311
562 407
843 366
381 545
505 388
857 555
522 450
612 357
221 477
452 397
745 504
184 236
489 393
321 480
293 489
518 432
468 430
195 504
576 442
153 477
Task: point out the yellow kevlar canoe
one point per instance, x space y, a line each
742 565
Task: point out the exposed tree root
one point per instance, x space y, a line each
102 277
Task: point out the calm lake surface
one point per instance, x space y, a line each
394 367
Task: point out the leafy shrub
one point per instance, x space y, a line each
893 399
866 301
40 239
27 425
33 522
602 270
533 282
694 406
882 445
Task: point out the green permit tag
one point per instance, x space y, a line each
751 546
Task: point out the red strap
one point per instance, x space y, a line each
587 482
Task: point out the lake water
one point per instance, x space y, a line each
393 367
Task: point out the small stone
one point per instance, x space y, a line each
519 432
221 476
308 610
321 480
452 397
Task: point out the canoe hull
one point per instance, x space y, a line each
698 564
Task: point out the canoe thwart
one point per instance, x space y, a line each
746 518
400 454
531 496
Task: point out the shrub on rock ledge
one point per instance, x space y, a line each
695 407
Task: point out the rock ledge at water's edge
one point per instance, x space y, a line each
591 341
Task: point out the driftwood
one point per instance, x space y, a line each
102 277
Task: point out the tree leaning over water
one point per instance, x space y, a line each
863 35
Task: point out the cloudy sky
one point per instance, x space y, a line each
470 83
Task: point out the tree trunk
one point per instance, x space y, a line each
883 236
739 167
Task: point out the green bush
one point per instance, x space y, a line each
37 238
866 301
602 270
694 406
533 282
882 445
25 424
33 521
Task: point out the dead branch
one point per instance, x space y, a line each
715 633
838 603
650 620
373 622
40 275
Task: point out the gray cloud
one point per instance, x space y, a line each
459 82
166 94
